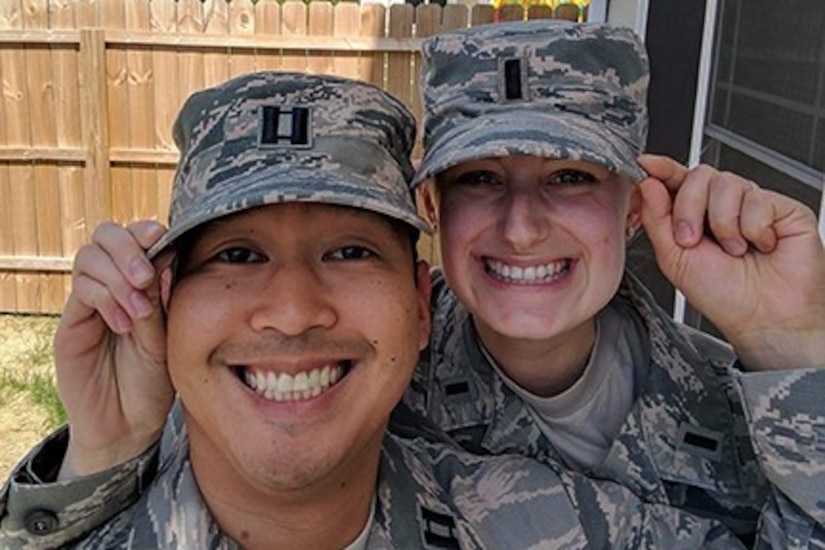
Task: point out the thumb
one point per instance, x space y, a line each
150 332
657 217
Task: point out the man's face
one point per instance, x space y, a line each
293 332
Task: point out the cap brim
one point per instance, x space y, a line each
282 183
556 135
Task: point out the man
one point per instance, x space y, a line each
289 324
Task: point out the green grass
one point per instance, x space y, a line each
40 389
26 364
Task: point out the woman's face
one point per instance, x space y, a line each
534 247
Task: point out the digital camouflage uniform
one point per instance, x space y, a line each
567 91
429 495
687 442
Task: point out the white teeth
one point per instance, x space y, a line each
300 382
288 387
284 383
539 273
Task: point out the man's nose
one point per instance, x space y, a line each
293 301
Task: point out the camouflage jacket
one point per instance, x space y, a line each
688 441
429 495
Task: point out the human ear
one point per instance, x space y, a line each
633 220
428 201
422 275
165 287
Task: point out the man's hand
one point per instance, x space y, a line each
110 349
748 259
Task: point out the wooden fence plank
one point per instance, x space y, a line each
511 12
346 23
166 91
168 100
8 217
97 191
46 192
8 299
49 232
294 23
144 129
190 63
15 95
320 23
18 108
70 175
373 25
117 77
89 13
268 22
24 232
541 11
140 82
215 23
399 65
241 23
482 14
62 14
569 12
454 16
117 82
9 19
11 15
72 213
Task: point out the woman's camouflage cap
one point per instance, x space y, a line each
274 137
552 89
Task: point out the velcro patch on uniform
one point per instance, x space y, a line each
458 389
699 440
438 530
286 126
513 79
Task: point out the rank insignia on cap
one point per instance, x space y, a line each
513 78
286 126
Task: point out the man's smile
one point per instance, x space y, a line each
286 386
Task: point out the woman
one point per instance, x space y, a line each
543 344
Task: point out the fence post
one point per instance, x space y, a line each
94 110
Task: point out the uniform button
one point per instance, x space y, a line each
41 522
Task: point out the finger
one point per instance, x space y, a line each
94 296
724 211
690 204
656 217
757 218
665 169
126 252
146 232
94 263
150 330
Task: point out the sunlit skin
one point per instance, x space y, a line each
286 288
526 212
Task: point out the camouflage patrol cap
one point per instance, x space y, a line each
274 137
552 89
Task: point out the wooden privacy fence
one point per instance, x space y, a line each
90 90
